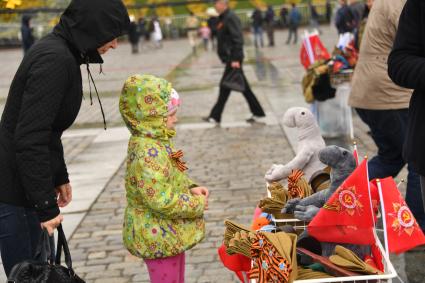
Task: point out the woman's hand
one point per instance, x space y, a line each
236 65
64 194
52 224
201 191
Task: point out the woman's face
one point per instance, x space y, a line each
111 44
172 120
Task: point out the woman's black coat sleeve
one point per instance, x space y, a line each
406 63
46 83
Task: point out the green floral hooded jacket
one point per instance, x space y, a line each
162 217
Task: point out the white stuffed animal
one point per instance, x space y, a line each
310 142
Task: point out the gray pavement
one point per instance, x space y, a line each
230 160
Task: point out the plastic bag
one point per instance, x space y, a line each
334 115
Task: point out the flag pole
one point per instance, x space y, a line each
356 153
401 182
370 195
384 220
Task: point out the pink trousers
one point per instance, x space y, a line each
167 270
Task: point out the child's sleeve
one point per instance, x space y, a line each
160 195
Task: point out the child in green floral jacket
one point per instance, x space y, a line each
164 213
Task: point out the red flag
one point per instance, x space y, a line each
347 216
237 263
403 231
312 49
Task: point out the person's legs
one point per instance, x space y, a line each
414 198
388 129
218 108
270 34
256 37
254 104
388 134
224 93
260 36
295 35
290 32
19 234
166 270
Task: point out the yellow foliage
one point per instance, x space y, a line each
12 4
261 4
162 11
197 9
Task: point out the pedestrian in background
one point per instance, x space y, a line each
205 33
212 24
142 31
156 32
44 100
27 33
230 50
133 35
328 11
284 16
314 18
344 19
380 103
358 9
192 28
406 67
363 22
294 23
270 22
257 27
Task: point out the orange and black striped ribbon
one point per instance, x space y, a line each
176 156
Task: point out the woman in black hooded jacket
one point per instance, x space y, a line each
406 67
44 100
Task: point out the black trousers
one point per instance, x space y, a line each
388 128
253 103
20 232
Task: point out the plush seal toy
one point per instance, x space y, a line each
342 164
310 142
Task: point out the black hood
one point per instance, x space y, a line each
89 24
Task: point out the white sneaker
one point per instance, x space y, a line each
210 120
257 119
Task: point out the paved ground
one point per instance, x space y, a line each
230 160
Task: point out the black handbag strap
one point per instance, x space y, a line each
45 250
63 244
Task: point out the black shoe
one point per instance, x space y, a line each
257 119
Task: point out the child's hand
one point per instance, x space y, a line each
201 191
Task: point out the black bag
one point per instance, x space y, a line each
323 89
234 80
45 267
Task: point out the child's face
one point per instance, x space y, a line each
172 120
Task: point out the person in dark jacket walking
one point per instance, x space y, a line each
406 67
26 32
269 20
44 100
294 23
134 36
345 20
230 51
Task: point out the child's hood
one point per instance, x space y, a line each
143 106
